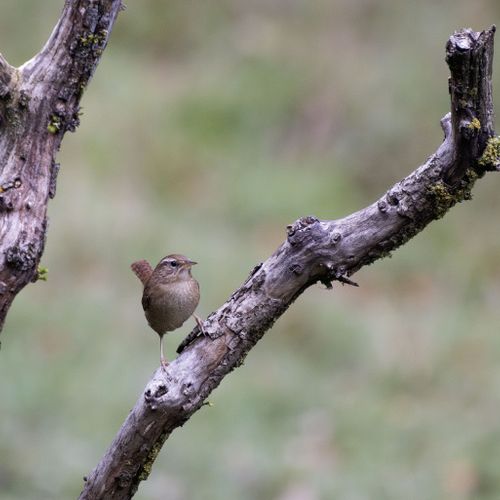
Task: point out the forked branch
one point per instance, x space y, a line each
39 102
314 250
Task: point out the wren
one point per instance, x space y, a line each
170 296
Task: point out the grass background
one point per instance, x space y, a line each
208 127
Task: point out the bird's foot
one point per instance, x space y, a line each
199 322
164 363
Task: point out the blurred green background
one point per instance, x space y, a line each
209 126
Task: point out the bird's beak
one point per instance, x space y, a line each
191 262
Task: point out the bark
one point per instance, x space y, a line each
39 102
315 250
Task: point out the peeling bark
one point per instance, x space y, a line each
39 102
314 250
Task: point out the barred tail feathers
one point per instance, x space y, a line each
142 270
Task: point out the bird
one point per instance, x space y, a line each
170 295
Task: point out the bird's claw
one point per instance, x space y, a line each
199 322
164 363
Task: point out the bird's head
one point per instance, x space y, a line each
174 267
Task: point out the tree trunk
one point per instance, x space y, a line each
314 250
39 102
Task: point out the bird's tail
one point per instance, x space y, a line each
142 270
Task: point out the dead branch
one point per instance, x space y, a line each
314 251
39 103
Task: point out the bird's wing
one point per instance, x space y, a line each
146 300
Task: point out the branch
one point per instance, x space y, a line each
73 50
315 250
39 102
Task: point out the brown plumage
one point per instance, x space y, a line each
170 294
143 270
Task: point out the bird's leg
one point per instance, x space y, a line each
163 361
199 322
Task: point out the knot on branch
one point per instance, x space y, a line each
154 392
22 257
297 231
393 196
400 199
6 202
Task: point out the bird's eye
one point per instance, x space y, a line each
173 263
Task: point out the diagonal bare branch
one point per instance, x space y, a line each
314 250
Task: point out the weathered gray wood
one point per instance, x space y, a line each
314 251
39 102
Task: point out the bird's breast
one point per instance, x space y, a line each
171 304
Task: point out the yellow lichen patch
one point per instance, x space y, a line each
491 153
441 197
475 124
444 197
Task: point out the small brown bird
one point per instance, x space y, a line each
170 294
